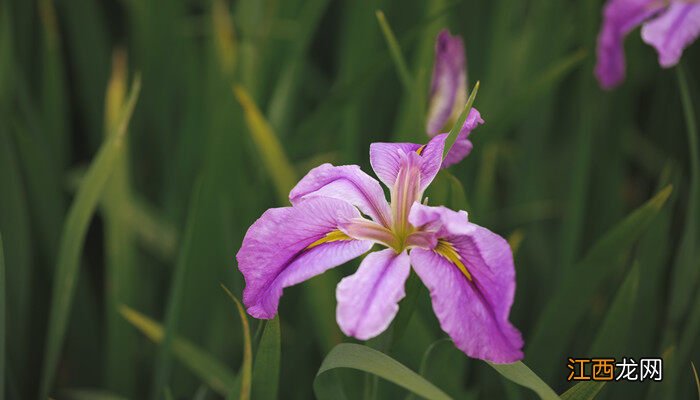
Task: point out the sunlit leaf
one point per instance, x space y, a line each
363 358
271 150
587 390
519 373
73 237
207 368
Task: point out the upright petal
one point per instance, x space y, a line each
619 18
289 245
387 159
368 299
348 183
448 90
473 307
673 31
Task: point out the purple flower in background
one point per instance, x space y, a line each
448 96
339 212
668 25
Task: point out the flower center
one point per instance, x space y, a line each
405 192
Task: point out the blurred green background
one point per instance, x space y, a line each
118 229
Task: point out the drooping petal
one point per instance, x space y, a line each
671 32
439 220
289 245
346 182
368 299
448 89
473 308
387 158
619 18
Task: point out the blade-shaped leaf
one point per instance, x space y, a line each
570 300
271 151
2 317
363 358
452 136
247 367
519 373
697 380
89 394
395 50
617 325
266 371
207 368
175 295
583 391
73 237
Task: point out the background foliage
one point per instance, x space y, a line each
140 139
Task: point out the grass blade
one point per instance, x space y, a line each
247 367
695 375
363 358
616 327
396 54
563 311
583 391
519 373
685 274
452 137
266 371
271 151
89 394
2 317
216 375
172 312
73 237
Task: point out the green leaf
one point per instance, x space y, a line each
571 298
174 304
266 371
685 274
452 137
247 367
271 150
616 327
89 394
583 391
216 375
73 237
396 54
519 373
2 316
697 380
363 358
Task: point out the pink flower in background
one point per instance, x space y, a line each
667 25
339 213
448 96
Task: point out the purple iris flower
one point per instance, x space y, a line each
339 213
668 25
448 96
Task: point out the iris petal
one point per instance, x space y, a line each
368 299
619 18
474 312
671 32
277 250
348 183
